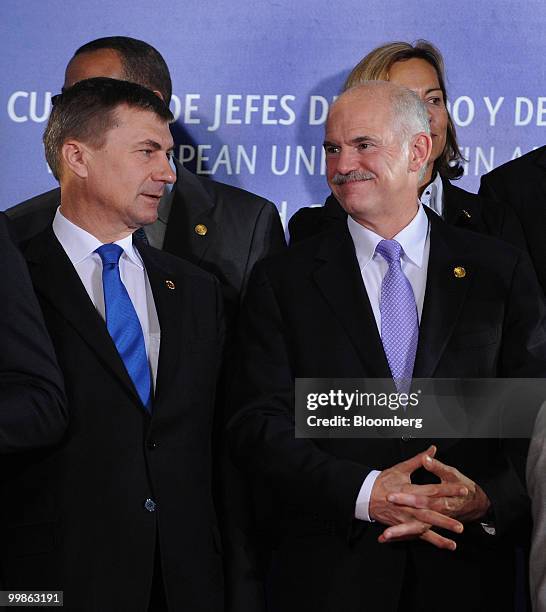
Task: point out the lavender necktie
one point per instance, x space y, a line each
399 322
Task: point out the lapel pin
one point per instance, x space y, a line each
201 229
467 214
459 272
170 284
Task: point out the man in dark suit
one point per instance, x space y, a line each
521 184
222 229
120 515
32 404
354 524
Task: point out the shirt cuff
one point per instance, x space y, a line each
363 499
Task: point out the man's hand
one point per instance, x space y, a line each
470 504
407 521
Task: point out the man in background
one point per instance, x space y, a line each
32 403
521 184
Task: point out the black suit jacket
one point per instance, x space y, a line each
521 184
78 519
32 404
307 315
461 209
241 229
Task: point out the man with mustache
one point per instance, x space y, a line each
394 292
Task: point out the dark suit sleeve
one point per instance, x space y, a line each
262 432
487 190
268 238
32 404
523 356
510 228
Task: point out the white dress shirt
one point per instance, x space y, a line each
415 242
433 196
80 247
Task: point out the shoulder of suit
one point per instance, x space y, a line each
230 195
476 245
48 200
524 163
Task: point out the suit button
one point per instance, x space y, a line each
149 504
151 445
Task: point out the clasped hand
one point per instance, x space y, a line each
411 511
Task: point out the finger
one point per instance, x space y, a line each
443 471
437 519
409 529
416 529
414 463
439 504
443 489
437 540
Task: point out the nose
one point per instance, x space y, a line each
164 172
345 161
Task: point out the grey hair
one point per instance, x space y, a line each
409 114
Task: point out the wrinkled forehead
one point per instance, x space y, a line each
362 113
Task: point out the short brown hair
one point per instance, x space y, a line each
87 111
376 66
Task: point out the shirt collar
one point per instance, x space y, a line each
412 239
80 245
433 195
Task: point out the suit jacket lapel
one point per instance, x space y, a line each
444 295
339 279
541 161
192 207
462 209
56 281
167 292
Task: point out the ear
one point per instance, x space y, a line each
75 158
158 94
420 149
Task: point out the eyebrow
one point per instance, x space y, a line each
433 89
353 141
154 145
149 143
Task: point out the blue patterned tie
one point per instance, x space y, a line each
399 322
123 324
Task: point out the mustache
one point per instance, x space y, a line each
350 177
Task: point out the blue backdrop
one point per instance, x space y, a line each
252 79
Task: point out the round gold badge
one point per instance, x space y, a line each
459 272
201 229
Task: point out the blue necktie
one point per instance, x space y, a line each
123 324
399 321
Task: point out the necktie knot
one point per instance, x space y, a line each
390 250
109 253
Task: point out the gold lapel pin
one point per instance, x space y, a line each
170 284
201 229
459 272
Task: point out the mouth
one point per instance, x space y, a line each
153 196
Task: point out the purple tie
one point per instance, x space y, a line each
399 322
